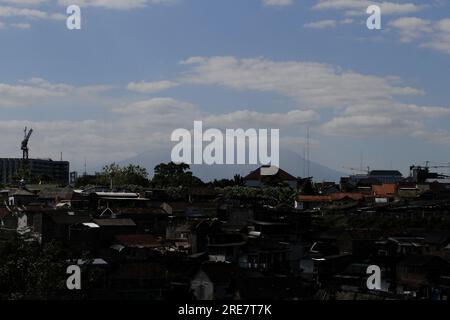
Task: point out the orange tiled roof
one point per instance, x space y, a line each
384 190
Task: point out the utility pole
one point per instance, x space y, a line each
307 153
304 161
361 161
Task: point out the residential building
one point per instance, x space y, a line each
256 179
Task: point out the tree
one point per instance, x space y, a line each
25 175
237 180
307 187
174 175
131 176
28 271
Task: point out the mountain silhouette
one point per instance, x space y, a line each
289 161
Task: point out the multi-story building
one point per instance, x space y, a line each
386 176
57 171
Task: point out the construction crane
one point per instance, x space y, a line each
438 166
24 146
422 172
358 170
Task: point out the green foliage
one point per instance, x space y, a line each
174 175
131 176
25 174
308 188
88 181
274 195
28 271
237 180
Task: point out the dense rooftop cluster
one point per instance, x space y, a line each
254 237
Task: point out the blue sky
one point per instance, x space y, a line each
139 69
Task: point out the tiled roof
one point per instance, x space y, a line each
281 174
387 189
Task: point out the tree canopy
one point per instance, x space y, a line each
129 176
29 271
174 175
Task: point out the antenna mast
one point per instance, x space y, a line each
307 152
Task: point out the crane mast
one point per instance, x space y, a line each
24 146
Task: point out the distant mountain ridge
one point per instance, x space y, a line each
290 161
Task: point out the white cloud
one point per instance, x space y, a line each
430 34
362 104
30 92
321 24
134 127
115 4
370 125
411 28
441 37
160 106
277 2
312 85
250 119
21 25
151 87
25 2
170 113
7 11
325 24
358 7
398 110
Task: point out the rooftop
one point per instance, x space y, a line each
385 173
281 175
114 222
